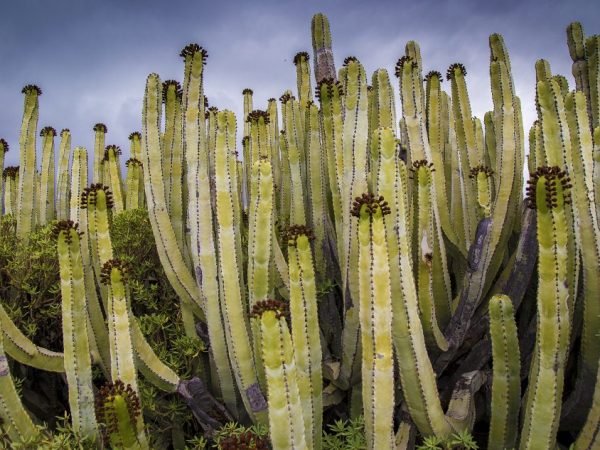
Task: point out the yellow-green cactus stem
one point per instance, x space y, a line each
589 438
413 51
548 193
19 347
437 137
16 422
259 138
3 149
330 94
174 176
248 107
274 143
26 211
63 185
46 207
506 383
135 188
465 140
579 69
305 330
354 183
260 232
592 47
543 71
232 305
321 43
79 181
10 175
164 235
114 275
211 133
563 84
285 197
375 321
171 98
580 161
100 131
295 154
490 138
483 180
78 364
301 61
118 408
382 113
113 176
286 423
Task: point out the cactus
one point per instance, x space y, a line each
100 131
26 206
506 387
112 176
77 351
10 176
46 206
63 191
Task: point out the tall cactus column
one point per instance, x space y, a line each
63 193
46 194
26 210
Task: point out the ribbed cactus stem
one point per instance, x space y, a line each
134 183
63 185
301 61
26 204
234 319
295 154
592 47
10 176
46 204
321 43
305 330
286 423
113 176
79 180
3 149
100 131
78 365
506 385
375 321
118 407
16 422
548 193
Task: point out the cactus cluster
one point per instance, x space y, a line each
343 264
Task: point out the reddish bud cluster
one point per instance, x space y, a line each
371 202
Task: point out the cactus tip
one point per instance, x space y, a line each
31 88
135 134
191 50
280 308
301 57
4 145
48 131
452 69
100 127
369 203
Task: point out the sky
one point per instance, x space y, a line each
91 59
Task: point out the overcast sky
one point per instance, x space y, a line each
91 59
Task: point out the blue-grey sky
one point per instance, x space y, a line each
91 59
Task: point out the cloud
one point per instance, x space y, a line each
92 59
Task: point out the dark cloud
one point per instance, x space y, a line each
92 58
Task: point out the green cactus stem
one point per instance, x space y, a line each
10 175
301 61
294 140
4 147
100 131
321 43
78 365
286 424
592 47
15 420
118 408
46 206
506 385
375 320
305 330
63 185
135 185
79 180
232 308
112 176
26 210
548 193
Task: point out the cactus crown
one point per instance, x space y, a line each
301 57
173 83
245 140
135 134
114 148
111 264
191 50
10 172
451 69
286 97
133 162
481 169
247 91
105 408
551 177
89 195
30 89
293 232
433 73
4 145
422 163
370 204
48 131
100 127
64 130
271 100
281 308
66 226
400 64
244 440
330 84
349 59
255 116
